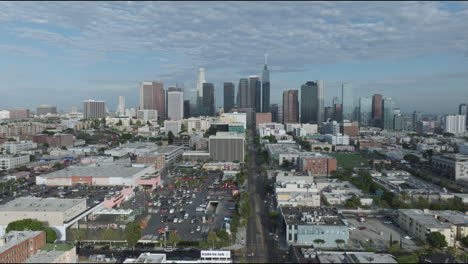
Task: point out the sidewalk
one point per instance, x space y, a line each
240 236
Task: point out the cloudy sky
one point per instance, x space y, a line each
64 52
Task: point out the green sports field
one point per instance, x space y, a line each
351 160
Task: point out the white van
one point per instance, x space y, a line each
186 216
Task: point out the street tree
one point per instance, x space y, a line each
174 238
437 240
132 234
212 238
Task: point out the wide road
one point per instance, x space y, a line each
259 244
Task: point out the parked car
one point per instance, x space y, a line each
362 228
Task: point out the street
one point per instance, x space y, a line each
259 245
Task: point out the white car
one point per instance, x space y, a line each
352 228
198 228
408 237
175 220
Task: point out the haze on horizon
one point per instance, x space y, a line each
66 52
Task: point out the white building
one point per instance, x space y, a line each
4 114
147 115
234 118
297 191
17 147
172 125
94 109
196 124
338 139
10 162
121 106
310 129
455 124
175 105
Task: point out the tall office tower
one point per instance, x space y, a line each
417 116
94 109
328 113
365 111
388 107
274 109
46 109
175 105
398 122
377 110
455 124
290 106
243 93
265 87
228 96
337 109
463 110
186 108
208 104
312 102
201 80
255 93
121 106
348 99
153 97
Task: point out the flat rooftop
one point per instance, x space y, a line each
15 237
320 216
454 217
425 218
110 171
40 204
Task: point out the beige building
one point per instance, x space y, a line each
55 253
52 212
419 223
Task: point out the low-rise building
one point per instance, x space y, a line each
296 191
224 141
157 159
17 147
337 139
307 226
420 223
56 141
18 246
53 211
317 163
453 166
55 253
8 162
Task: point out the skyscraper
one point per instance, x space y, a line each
348 99
153 97
455 124
365 110
377 110
337 109
94 109
175 105
417 116
200 81
274 109
463 110
243 93
187 108
290 106
265 88
121 106
255 93
388 113
228 96
208 99
46 109
312 102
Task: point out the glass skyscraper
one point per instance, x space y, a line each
312 102
243 93
365 110
228 96
265 88
349 101
388 107
255 93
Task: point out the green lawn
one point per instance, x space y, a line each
57 247
351 160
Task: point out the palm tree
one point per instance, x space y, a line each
319 241
339 242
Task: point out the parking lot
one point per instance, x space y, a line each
93 195
183 205
377 230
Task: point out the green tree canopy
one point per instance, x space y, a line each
437 240
170 137
174 238
212 238
30 224
132 233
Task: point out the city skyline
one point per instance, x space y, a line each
378 51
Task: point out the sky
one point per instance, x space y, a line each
61 53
